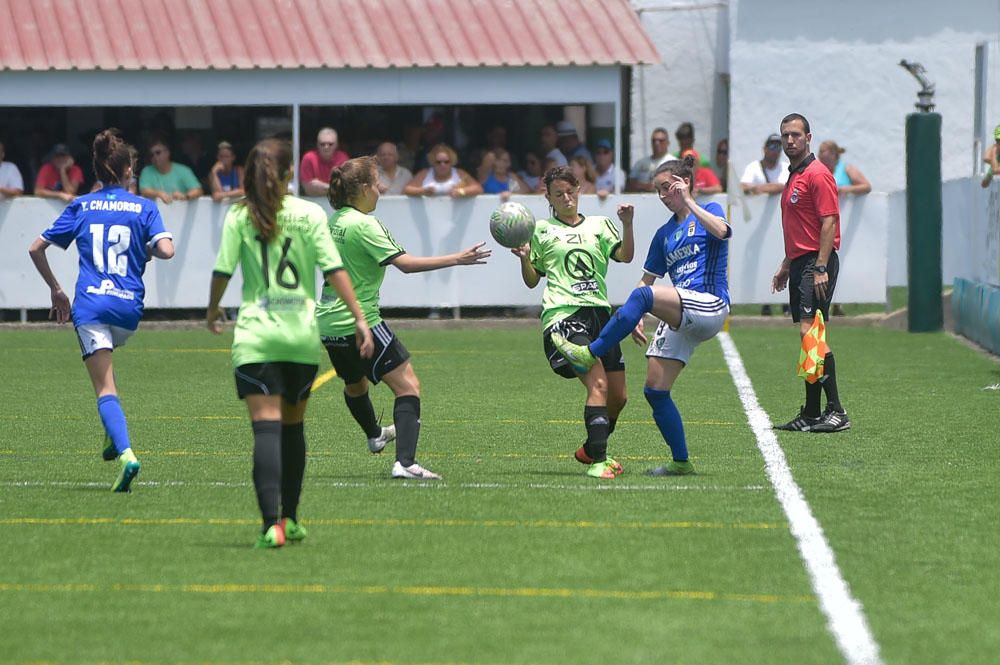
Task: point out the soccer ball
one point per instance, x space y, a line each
512 224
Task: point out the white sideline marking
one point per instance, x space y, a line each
844 614
406 485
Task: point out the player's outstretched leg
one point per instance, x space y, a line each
622 323
668 421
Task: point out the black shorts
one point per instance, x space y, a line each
802 291
293 381
351 367
581 327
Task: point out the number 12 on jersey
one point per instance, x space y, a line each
119 237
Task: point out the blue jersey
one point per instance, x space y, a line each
114 231
694 258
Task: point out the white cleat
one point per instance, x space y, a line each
377 444
413 472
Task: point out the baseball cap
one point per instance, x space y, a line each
565 128
603 144
774 140
60 149
996 133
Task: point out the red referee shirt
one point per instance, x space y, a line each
810 194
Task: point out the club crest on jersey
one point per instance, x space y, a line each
677 234
691 230
794 198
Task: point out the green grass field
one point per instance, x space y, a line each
516 557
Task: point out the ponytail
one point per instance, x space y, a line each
347 180
112 156
266 180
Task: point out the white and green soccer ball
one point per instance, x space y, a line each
512 224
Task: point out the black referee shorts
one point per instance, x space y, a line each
802 287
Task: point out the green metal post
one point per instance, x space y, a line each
923 221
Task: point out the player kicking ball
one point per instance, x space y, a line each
692 248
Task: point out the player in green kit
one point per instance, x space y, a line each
367 248
278 241
572 252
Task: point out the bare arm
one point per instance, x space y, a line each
154 194
712 223
765 188
859 183
60 301
44 193
626 250
827 234
528 272
11 192
214 316
468 186
316 188
415 187
474 255
163 249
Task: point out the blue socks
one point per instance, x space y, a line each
624 320
114 422
668 420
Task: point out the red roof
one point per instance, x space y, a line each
317 34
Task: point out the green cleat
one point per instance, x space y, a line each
673 468
605 469
579 357
273 538
130 469
109 453
294 532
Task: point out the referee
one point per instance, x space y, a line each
810 222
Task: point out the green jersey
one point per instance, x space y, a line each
277 320
367 248
574 262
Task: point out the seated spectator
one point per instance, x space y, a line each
569 142
496 137
392 177
550 140
11 182
607 174
410 146
443 177
314 172
768 174
850 180
194 155
59 177
499 178
705 180
226 176
685 142
531 174
722 163
166 180
584 172
640 178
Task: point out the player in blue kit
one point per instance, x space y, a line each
116 234
693 249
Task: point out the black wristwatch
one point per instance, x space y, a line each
821 270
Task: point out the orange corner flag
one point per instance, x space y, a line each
814 349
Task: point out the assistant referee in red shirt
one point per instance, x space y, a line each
810 222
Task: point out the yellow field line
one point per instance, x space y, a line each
389 522
440 591
323 378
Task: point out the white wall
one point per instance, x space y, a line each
836 63
692 38
441 226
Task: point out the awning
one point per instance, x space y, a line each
186 35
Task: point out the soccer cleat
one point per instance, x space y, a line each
832 421
130 469
293 531
673 468
109 453
413 472
272 538
579 357
377 444
605 469
582 457
801 423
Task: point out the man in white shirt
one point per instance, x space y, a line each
11 182
640 178
392 177
767 175
607 173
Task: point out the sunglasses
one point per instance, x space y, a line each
327 144
443 161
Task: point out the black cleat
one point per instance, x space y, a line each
832 421
801 423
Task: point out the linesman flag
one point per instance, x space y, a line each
814 349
